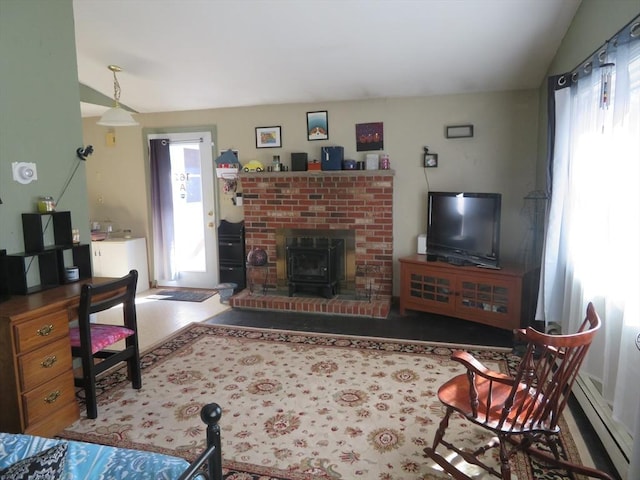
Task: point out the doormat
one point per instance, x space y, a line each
184 295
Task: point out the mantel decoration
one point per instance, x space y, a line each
227 167
317 126
268 137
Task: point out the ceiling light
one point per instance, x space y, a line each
116 116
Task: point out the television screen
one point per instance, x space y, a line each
464 227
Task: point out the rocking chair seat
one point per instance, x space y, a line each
455 394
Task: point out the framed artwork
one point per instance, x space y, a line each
317 126
459 131
369 136
268 137
430 160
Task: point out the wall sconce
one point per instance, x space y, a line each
24 172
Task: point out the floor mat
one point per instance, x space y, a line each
184 295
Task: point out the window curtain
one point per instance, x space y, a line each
162 210
592 241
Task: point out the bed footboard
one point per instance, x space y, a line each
212 456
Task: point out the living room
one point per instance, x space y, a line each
507 153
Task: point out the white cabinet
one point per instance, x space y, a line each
116 257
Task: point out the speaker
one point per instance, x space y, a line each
422 243
299 162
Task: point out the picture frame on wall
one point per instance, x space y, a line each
369 136
317 125
430 160
268 137
459 131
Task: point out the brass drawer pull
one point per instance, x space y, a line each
46 330
52 397
49 361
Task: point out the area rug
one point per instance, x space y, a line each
295 405
184 295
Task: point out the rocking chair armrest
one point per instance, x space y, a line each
474 365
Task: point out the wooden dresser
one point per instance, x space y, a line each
36 368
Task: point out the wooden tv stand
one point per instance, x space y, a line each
488 296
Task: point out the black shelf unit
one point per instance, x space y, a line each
50 260
231 254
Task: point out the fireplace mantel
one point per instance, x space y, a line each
318 174
357 200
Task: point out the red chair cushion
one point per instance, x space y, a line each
101 336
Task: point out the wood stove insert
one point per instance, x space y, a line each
314 263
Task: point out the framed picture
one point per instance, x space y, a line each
459 131
317 126
268 137
369 136
430 160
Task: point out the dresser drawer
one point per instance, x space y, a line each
49 398
41 330
43 364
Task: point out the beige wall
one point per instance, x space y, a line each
500 158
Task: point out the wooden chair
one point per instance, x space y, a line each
522 411
90 341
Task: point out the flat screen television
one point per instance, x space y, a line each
464 228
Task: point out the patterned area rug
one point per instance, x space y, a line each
295 405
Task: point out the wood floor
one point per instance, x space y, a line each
158 319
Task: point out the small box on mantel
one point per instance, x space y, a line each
332 158
372 161
314 166
299 162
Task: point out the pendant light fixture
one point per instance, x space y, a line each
116 116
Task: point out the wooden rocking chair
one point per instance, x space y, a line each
522 411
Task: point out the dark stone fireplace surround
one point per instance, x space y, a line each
358 201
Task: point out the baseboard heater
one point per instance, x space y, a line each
617 442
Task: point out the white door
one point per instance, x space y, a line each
195 252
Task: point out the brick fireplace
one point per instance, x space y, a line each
358 201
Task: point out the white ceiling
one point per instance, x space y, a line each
200 54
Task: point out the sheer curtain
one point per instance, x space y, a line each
592 241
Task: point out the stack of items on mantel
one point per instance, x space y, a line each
332 158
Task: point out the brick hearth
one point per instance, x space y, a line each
359 200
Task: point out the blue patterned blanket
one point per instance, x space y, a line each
91 461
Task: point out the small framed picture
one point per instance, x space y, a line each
459 131
369 136
430 160
268 137
317 126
